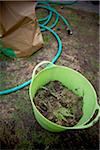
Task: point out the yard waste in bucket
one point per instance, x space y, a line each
72 80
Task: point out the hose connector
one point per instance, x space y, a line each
69 32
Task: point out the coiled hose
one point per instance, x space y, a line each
42 23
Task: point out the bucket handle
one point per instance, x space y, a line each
39 65
94 120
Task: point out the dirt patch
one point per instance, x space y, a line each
59 104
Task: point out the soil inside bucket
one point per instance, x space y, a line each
59 104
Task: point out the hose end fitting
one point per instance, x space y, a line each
69 32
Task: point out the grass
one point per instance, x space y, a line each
47 38
40 14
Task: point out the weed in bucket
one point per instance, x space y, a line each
58 104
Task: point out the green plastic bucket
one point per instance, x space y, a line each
72 80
